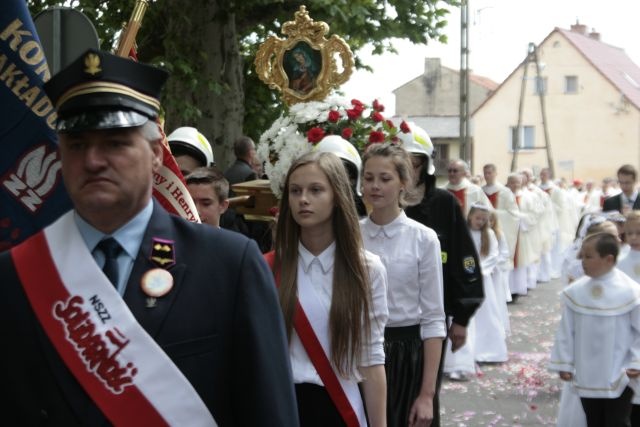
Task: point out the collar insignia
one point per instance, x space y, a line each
163 253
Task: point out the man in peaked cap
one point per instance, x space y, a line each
121 313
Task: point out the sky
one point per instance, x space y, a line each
499 34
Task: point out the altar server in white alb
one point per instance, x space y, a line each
505 208
597 345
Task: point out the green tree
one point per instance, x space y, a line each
209 46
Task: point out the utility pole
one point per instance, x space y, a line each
465 149
532 57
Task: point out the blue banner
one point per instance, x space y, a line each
31 191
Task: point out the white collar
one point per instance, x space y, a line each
632 198
611 294
463 184
389 230
325 259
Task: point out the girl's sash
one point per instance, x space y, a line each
117 363
311 322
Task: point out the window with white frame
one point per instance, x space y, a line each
570 84
540 86
527 137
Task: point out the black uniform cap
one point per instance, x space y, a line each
100 90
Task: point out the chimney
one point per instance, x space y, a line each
431 66
579 28
594 34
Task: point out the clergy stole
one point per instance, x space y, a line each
493 198
461 196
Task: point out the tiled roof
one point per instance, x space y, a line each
612 62
483 81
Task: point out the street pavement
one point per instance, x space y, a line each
520 392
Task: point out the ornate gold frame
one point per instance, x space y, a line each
277 60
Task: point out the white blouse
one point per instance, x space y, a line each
319 272
411 253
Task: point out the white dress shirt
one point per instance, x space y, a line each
411 253
629 201
319 272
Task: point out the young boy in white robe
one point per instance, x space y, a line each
597 345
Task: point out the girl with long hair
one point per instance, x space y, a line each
333 298
411 254
490 338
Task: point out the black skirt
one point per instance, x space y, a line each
403 365
315 407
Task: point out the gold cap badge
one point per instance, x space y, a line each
92 64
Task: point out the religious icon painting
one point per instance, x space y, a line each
306 65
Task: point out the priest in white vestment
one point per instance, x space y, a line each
465 191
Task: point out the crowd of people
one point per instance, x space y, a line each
374 284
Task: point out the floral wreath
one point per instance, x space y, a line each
305 124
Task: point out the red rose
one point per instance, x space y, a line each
404 127
357 105
274 211
334 116
390 124
377 106
347 133
354 114
315 135
376 117
376 136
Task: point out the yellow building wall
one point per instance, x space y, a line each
591 132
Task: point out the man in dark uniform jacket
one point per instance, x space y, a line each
242 169
218 320
628 198
439 210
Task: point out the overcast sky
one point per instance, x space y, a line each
500 31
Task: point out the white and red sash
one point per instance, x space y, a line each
117 363
312 326
170 190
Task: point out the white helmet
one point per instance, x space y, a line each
343 149
419 142
187 140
